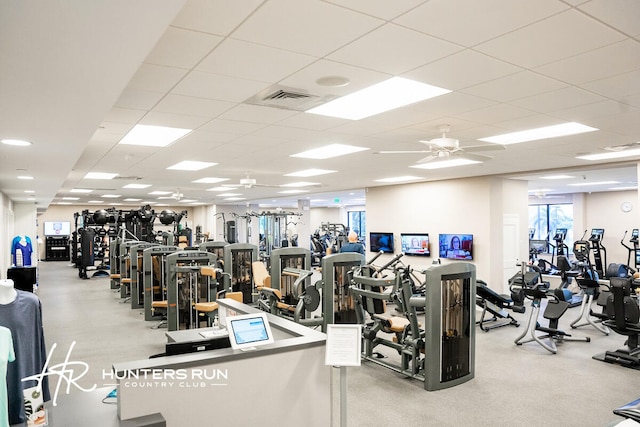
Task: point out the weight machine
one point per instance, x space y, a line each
338 305
169 217
273 230
238 258
186 286
216 248
136 273
154 266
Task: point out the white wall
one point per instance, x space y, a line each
465 206
6 233
332 215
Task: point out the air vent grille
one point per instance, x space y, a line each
287 98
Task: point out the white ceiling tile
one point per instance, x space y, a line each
138 99
622 14
182 48
469 22
454 103
617 87
173 120
393 49
515 86
231 127
380 8
312 121
156 78
567 97
496 114
596 64
193 106
585 114
359 78
560 36
215 16
213 86
123 115
453 73
257 114
310 21
248 61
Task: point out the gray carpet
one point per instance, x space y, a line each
514 385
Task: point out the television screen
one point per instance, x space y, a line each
415 244
381 242
57 228
456 246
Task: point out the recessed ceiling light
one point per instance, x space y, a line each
191 165
71 198
132 200
187 200
333 81
390 94
610 155
310 172
218 189
29 191
111 196
329 151
100 175
96 201
300 184
16 142
210 180
232 199
137 186
293 191
445 164
153 136
557 177
63 203
80 190
24 177
586 184
159 193
555 131
398 179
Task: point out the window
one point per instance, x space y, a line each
546 219
356 221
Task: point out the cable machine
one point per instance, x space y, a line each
337 303
154 269
238 258
136 273
273 230
216 248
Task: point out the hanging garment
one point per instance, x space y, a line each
21 251
6 355
23 317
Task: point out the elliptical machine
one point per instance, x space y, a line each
635 250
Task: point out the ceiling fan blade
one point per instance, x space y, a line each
428 158
471 156
403 152
492 147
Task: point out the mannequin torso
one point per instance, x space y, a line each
7 291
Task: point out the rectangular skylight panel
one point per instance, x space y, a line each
309 172
555 131
445 164
329 151
611 155
191 165
153 136
390 94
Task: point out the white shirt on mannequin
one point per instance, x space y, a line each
7 291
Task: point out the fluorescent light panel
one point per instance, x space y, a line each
191 165
153 136
390 94
309 172
329 151
611 155
159 193
100 175
210 180
218 189
445 164
131 200
232 199
398 179
16 142
26 177
138 186
111 196
229 194
300 184
555 131
96 201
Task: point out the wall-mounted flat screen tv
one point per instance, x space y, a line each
415 244
57 228
456 246
381 242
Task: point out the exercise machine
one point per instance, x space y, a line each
154 266
186 286
238 258
633 252
529 284
598 250
624 319
338 305
136 273
496 305
282 258
216 248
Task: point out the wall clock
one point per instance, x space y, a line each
626 206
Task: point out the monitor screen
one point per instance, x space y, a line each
597 234
561 234
249 330
57 228
456 246
381 242
415 244
538 246
634 233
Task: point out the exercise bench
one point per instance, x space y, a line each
497 305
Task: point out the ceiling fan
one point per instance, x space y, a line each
248 183
445 147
